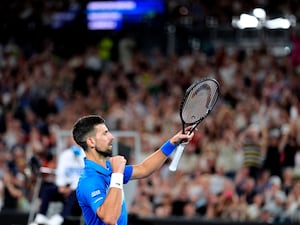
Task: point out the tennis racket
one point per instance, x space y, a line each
196 104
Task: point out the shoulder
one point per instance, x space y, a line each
65 153
89 183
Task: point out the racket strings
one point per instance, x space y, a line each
199 102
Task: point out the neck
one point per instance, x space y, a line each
97 158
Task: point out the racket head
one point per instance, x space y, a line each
198 101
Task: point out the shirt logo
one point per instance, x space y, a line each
95 193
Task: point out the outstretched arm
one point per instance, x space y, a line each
157 159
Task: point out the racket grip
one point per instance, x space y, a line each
177 156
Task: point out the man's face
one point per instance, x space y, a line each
104 140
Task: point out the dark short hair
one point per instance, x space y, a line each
83 126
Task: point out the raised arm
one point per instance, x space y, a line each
157 159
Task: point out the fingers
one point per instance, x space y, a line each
118 158
189 128
118 163
182 138
187 138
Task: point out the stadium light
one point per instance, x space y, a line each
278 23
258 19
260 13
246 21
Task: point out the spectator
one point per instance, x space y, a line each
257 88
232 207
293 204
272 158
180 200
69 166
15 181
247 190
253 149
164 207
275 198
142 206
288 145
262 182
13 193
287 179
254 209
189 210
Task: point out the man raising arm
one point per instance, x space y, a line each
100 187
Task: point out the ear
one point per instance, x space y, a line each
90 141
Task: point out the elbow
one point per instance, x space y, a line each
110 222
108 218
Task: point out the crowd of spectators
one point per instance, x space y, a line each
242 165
244 162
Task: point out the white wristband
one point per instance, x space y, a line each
116 180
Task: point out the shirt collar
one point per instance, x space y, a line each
99 168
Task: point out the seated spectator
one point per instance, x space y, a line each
142 205
69 166
15 181
232 207
247 190
13 194
254 209
189 210
292 206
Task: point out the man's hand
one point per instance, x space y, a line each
118 163
182 138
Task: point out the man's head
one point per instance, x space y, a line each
90 132
84 127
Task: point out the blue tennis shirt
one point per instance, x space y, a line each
93 186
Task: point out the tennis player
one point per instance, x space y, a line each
100 187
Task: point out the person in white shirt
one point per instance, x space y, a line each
69 166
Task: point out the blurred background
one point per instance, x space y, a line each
130 62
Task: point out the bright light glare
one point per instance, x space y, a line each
102 25
258 19
111 5
247 21
105 16
278 23
259 13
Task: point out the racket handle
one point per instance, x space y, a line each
177 156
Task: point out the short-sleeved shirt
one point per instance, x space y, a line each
92 189
69 167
